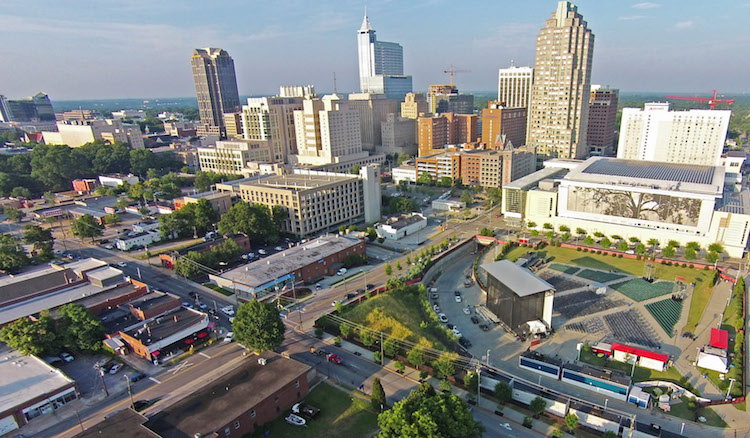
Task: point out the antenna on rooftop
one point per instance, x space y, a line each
334 83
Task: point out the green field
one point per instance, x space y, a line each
341 415
640 375
567 256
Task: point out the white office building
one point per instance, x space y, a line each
514 86
381 65
654 133
76 133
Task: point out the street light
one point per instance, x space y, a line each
132 403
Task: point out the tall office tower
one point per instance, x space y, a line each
414 105
37 108
373 111
558 111
381 65
602 119
514 86
216 88
445 98
437 132
272 119
687 137
501 125
328 132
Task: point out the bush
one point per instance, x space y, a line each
578 249
528 421
585 250
691 266
377 357
337 341
318 332
400 367
619 256
423 374
445 385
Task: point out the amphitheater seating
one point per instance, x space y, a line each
591 325
565 269
583 303
666 313
639 289
629 327
601 277
561 282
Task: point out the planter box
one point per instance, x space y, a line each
499 413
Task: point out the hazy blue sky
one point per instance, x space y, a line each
138 48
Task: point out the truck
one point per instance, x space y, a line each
305 410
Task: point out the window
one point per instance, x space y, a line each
296 384
227 431
237 424
252 414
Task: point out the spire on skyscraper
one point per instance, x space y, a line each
365 23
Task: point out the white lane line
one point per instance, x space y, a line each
154 380
204 355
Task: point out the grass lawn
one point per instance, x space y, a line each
682 410
397 314
567 256
341 415
218 289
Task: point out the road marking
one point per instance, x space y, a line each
181 366
154 380
204 355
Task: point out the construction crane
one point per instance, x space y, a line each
452 70
712 101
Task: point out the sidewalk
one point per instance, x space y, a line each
485 404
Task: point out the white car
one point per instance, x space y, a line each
66 357
506 425
467 311
229 310
341 271
458 299
278 248
229 337
442 317
110 246
335 302
117 367
456 332
262 251
122 264
436 308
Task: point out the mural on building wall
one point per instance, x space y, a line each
645 206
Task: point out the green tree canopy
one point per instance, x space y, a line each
13 213
253 220
79 328
716 247
377 398
12 255
258 326
40 237
494 195
86 226
425 413
205 216
443 368
31 337
537 406
503 392
467 197
112 219
571 422
416 357
669 252
426 179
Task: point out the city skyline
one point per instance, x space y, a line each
139 50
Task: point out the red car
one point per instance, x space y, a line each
333 357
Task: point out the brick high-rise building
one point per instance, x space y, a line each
443 98
501 125
558 112
216 88
446 129
602 118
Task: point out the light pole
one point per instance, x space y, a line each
479 384
488 357
729 391
132 403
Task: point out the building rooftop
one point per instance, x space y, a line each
532 179
519 280
613 376
152 299
103 274
735 202
301 182
152 331
405 221
124 424
85 210
261 272
83 265
109 295
211 194
653 175
211 407
13 287
23 378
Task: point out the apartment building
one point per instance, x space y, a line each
373 110
501 125
514 86
441 165
399 135
489 168
232 156
436 132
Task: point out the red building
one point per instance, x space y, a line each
85 185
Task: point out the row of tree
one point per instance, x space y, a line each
73 328
13 255
194 263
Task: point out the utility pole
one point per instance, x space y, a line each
479 384
132 403
101 374
382 358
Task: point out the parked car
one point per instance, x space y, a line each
228 310
349 296
333 357
360 291
110 246
122 264
115 368
335 302
457 293
137 377
66 357
434 296
467 310
464 342
436 308
369 286
457 332
475 320
229 337
262 251
458 299
442 317
484 327
278 248
317 286
341 271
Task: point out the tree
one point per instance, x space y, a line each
712 257
339 307
377 398
345 329
503 392
205 216
13 213
426 179
390 347
41 238
588 240
494 195
565 237
690 254
550 235
609 434
623 246
12 255
258 326
253 220
86 226
366 337
471 380
31 337
673 244
446 181
80 330
634 240
467 197
716 247
416 357
537 406
141 160
571 422
605 243
580 231
402 158
486 232
694 246
388 269
548 226
669 252
20 192
187 266
112 219
426 413
640 248
398 264
443 368
653 243
558 433
564 228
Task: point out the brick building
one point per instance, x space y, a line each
169 259
154 304
600 136
436 132
501 125
157 337
305 263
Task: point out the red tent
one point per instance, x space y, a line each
719 339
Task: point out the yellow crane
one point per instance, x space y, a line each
452 70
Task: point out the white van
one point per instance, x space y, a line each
342 271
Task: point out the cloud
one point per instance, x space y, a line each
510 36
631 17
646 5
684 24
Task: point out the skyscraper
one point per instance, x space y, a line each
602 120
558 112
216 88
381 65
514 86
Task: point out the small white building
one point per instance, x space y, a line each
402 226
448 205
142 227
713 359
404 173
117 180
643 358
137 240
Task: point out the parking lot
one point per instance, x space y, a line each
88 379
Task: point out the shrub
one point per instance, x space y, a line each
615 255
578 249
619 256
585 250
528 421
337 341
400 367
423 374
377 357
318 332
691 266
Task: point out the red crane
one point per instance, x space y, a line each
712 101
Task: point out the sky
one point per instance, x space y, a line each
89 49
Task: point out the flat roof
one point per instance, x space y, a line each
301 182
166 327
735 202
211 194
269 269
529 180
13 287
653 175
23 378
519 280
406 221
612 376
82 265
153 299
104 273
124 424
205 410
85 210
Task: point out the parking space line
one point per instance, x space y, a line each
154 380
204 355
